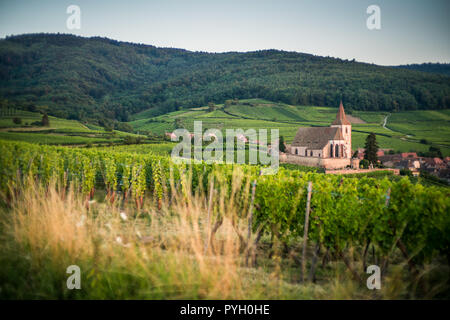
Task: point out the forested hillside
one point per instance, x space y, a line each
97 78
438 68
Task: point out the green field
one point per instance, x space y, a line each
160 149
28 118
404 130
59 132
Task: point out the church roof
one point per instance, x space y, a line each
340 117
316 138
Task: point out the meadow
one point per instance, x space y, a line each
404 131
59 132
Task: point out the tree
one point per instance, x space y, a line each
364 164
122 126
178 123
406 172
17 120
282 146
42 109
434 152
371 147
45 121
108 127
132 140
211 106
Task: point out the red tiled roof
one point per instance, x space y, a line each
433 160
409 155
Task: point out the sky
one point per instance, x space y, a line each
412 31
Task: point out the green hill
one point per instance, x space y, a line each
404 131
59 132
97 78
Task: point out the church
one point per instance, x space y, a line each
328 147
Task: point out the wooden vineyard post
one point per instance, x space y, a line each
385 260
250 223
208 221
312 271
305 233
388 197
250 214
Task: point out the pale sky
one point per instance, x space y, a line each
412 31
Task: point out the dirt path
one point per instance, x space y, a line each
385 122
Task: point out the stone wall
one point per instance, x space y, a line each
327 163
352 171
336 163
304 161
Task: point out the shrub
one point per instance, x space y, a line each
406 172
132 140
45 121
17 120
364 164
36 123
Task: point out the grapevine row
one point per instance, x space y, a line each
344 211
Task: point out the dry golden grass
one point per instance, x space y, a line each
194 247
169 250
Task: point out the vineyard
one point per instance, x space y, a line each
357 221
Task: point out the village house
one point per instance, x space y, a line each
361 153
327 147
414 163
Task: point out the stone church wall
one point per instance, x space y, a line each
335 163
304 161
315 161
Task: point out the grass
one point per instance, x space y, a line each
56 139
431 125
30 117
404 131
48 232
60 131
162 149
125 252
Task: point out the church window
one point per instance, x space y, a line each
311 153
306 153
337 151
331 150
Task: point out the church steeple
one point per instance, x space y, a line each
340 117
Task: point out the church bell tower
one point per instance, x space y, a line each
346 129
